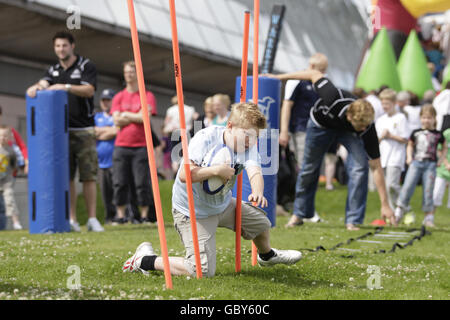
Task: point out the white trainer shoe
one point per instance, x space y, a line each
17 226
429 221
399 212
133 264
314 219
75 226
94 225
281 256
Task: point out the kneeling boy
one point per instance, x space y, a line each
218 210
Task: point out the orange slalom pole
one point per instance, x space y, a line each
184 142
243 95
149 141
255 84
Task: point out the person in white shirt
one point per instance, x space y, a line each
442 105
411 112
393 133
376 104
172 127
172 120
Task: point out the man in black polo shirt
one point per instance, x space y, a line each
338 117
78 76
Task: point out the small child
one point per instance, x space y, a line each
421 156
443 173
8 163
218 210
393 133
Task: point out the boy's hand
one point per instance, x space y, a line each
258 199
225 172
385 134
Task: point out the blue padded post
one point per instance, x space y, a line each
48 152
269 98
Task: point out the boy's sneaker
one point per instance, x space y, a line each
133 264
281 256
429 224
429 221
94 225
314 219
17 226
399 212
75 226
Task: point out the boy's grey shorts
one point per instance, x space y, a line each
254 222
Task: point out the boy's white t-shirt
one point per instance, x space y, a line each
393 153
206 204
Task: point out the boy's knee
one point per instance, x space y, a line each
208 270
264 226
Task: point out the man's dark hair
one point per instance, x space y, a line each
64 35
413 99
447 86
382 88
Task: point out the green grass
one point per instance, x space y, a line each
35 266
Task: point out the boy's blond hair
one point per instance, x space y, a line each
388 94
224 98
361 111
247 115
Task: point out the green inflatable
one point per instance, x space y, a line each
380 67
412 67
